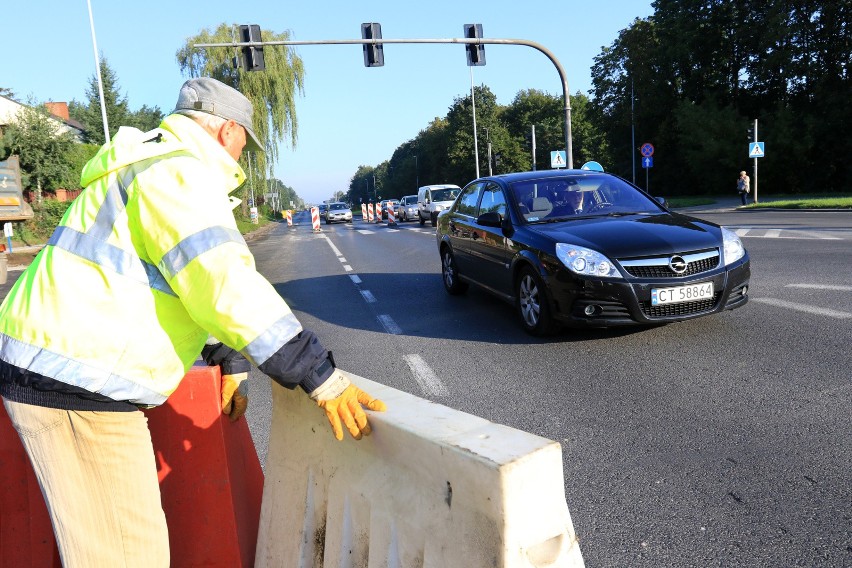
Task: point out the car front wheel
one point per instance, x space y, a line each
422 220
450 273
531 303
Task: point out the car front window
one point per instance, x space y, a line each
444 194
562 198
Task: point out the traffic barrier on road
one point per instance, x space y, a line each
210 476
370 212
363 211
431 487
26 537
289 218
315 219
391 219
210 479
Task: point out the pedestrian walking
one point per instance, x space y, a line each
743 187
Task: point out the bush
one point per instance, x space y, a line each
47 216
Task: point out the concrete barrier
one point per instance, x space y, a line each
430 488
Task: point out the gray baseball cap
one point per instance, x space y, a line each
206 94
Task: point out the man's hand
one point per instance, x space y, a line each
342 402
234 395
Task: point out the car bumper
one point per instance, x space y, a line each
334 218
597 303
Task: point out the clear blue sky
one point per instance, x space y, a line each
349 115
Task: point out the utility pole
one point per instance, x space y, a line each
755 161
488 139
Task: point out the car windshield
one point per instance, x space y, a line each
560 198
444 194
338 207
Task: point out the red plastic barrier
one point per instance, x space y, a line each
210 479
26 537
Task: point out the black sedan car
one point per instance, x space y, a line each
584 248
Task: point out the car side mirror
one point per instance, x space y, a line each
490 219
662 201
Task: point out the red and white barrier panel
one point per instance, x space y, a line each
391 218
378 212
369 212
315 218
289 218
363 211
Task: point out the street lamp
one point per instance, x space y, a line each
416 173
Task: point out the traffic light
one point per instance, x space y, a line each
374 55
252 57
528 140
475 53
751 134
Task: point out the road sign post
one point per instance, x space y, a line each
647 151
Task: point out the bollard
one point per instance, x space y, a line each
370 212
363 211
391 218
315 219
289 218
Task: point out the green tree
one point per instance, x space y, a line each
7 92
89 113
272 91
146 118
43 149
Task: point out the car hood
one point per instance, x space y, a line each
635 235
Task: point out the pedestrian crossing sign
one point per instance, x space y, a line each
755 150
557 159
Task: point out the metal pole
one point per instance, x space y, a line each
473 105
569 149
533 146
632 133
98 71
755 161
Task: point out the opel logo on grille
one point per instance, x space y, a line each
677 264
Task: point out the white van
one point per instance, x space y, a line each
432 199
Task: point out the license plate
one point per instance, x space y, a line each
689 293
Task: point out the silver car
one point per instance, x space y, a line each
407 208
338 212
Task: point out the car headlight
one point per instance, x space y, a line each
734 249
438 208
587 262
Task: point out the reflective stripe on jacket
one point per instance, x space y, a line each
145 264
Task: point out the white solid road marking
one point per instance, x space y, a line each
803 308
425 376
389 325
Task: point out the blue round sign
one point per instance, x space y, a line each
647 149
593 166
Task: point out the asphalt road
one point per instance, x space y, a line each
723 441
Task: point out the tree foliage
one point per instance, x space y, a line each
701 72
43 148
272 91
88 113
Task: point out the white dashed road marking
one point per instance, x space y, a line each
425 376
389 325
803 308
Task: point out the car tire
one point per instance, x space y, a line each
450 273
434 219
422 220
531 304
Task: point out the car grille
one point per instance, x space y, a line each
659 267
680 309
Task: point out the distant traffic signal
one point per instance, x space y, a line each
374 55
475 53
751 137
252 57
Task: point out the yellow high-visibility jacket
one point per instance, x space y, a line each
146 263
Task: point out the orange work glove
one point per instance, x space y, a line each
342 402
234 395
